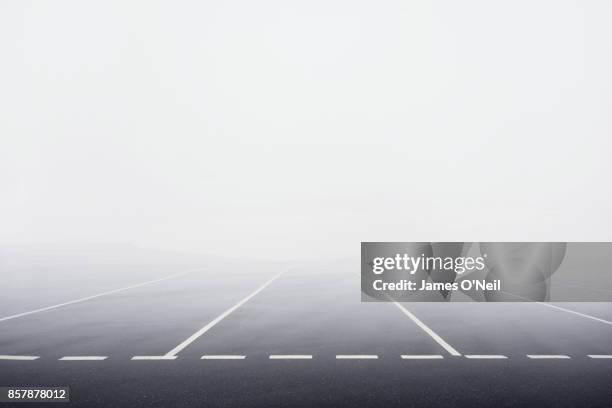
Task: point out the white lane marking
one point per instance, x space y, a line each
547 356
83 358
575 312
21 358
600 355
83 299
356 357
154 358
222 316
427 330
486 356
562 309
223 357
290 357
422 357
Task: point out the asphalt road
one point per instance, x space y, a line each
304 338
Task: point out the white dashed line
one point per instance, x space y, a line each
154 358
83 358
71 302
310 357
290 357
222 316
21 358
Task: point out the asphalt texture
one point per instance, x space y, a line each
313 312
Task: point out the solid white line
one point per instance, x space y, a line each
486 356
290 357
21 358
83 358
154 358
223 357
222 316
563 309
422 357
427 330
576 313
110 292
547 356
600 355
356 357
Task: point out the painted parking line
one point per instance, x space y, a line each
562 309
83 358
310 357
154 358
219 318
83 299
586 316
451 350
20 358
223 357
421 356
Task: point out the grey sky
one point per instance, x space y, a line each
282 128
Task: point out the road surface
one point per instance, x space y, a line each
300 337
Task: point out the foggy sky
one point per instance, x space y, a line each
298 129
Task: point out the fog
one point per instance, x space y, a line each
280 130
